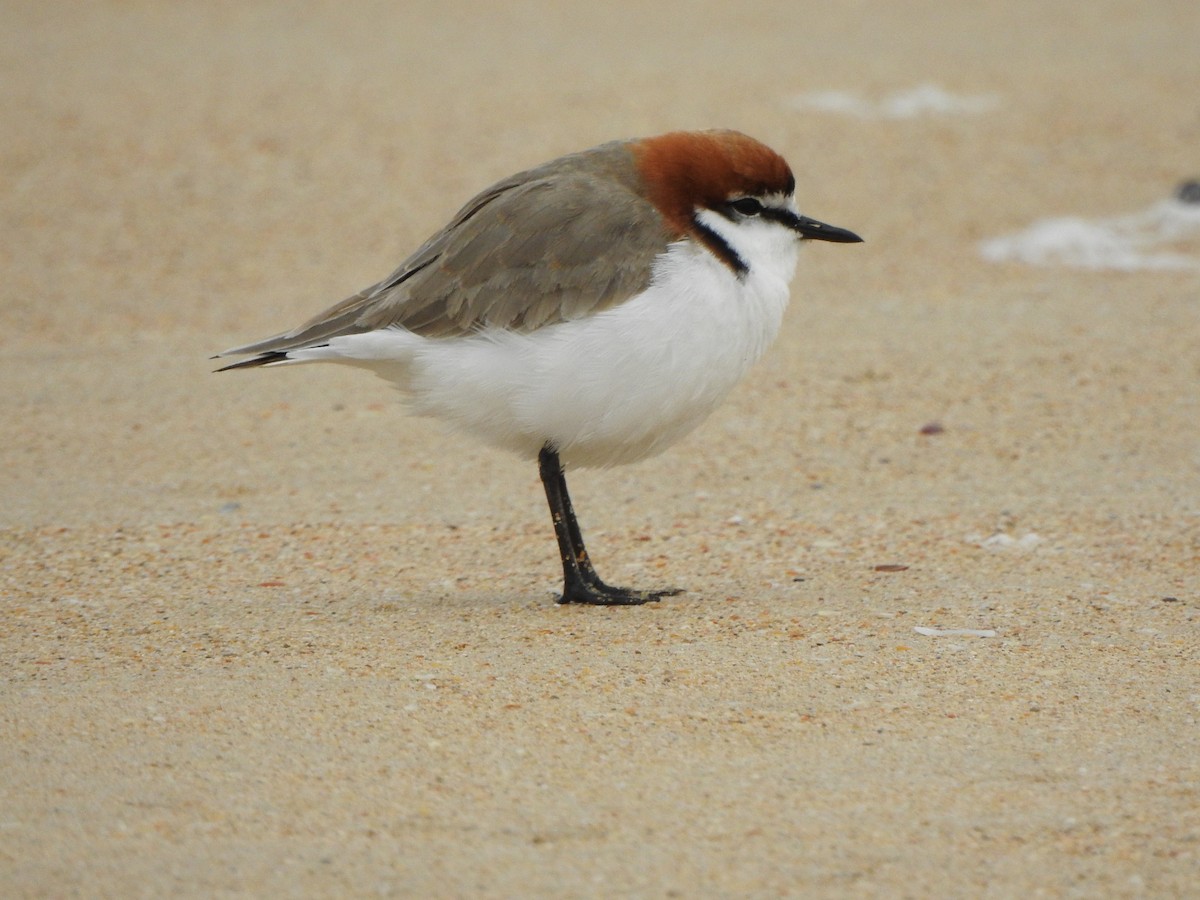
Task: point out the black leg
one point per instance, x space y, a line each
586 571
581 584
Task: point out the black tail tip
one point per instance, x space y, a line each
263 359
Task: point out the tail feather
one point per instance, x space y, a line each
263 359
370 349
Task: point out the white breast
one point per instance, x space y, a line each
611 388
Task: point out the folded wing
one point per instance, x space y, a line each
544 246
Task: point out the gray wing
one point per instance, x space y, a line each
545 246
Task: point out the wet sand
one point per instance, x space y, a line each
267 636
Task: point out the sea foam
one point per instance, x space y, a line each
922 100
1127 243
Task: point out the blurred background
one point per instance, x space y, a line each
183 177
264 634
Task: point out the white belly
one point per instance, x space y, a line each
611 388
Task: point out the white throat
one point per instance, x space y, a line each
768 249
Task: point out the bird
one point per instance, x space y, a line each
587 312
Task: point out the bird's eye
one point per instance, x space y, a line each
747 206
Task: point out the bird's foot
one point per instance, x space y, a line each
600 594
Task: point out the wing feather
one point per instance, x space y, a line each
544 246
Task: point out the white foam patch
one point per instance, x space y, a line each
1127 243
923 100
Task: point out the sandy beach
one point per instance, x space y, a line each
267 635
